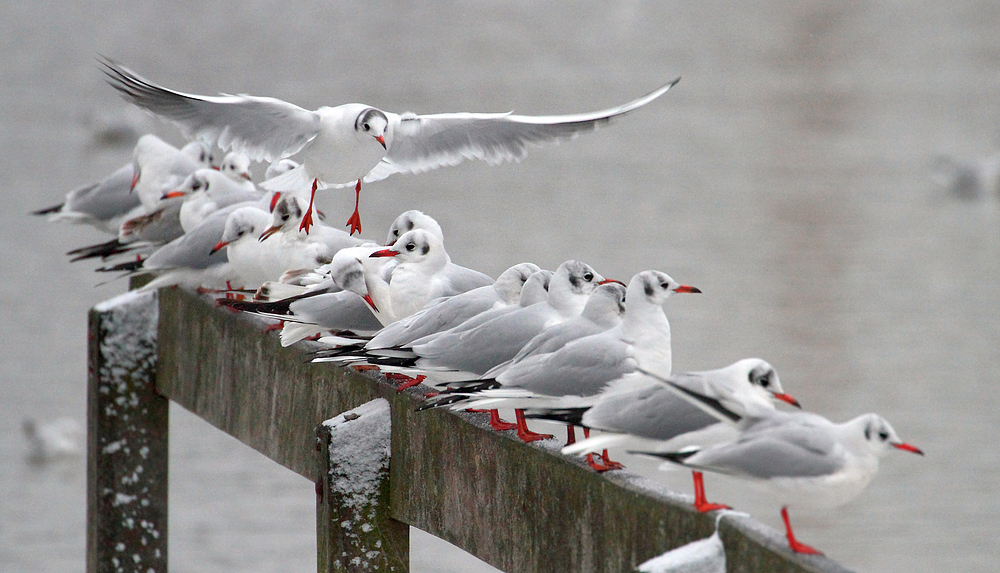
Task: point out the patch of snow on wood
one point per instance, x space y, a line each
359 453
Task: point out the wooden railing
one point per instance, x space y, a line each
518 507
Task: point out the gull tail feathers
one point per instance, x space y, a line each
293 332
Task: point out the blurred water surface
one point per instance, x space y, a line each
788 176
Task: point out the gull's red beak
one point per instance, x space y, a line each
246 176
274 200
172 194
214 167
685 288
908 448
370 302
384 253
787 399
381 140
135 179
606 281
219 246
268 232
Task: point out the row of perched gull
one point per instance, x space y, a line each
566 345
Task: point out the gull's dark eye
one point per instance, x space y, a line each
367 127
410 246
240 233
665 286
588 276
883 435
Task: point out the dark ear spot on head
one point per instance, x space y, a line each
868 432
648 287
426 249
362 122
409 224
354 276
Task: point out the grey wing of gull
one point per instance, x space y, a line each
263 128
193 249
441 316
554 338
653 412
424 142
341 310
105 200
454 334
582 368
484 317
485 346
160 226
239 197
462 279
783 449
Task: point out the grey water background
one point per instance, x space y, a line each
788 176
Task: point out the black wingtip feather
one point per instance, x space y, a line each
471 386
49 210
675 457
345 350
276 307
572 416
440 402
102 250
129 266
398 361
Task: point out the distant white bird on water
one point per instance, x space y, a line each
55 439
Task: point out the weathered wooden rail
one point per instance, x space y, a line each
519 507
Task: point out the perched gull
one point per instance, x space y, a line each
650 415
576 373
236 166
804 459
452 311
483 347
160 167
103 205
603 311
206 191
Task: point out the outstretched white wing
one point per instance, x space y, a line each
424 142
264 128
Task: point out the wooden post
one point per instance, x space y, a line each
353 529
126 440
